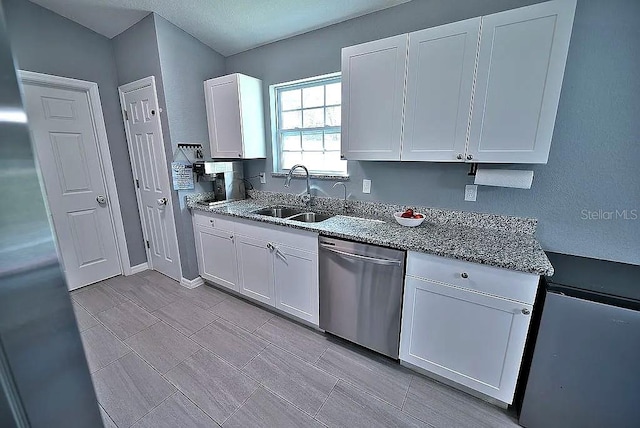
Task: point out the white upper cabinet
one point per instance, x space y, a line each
521 64
481 90
439 91
373 77
235 116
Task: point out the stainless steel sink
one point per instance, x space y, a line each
279 212
310 217
291 213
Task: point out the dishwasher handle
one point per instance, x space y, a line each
386 262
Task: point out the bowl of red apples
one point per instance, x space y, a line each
409 218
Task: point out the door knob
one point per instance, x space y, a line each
526 311
469 157
464 275
162 201
101 199
459 156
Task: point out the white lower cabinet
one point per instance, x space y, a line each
255 265
274 265
470 337
295 275
216 253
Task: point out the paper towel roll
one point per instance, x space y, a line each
504 178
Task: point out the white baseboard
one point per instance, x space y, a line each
192 283
137 269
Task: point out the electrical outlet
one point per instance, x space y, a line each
366 186
263 178
470 192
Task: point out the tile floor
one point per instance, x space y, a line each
162 355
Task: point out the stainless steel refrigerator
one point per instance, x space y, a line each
44 377
585 370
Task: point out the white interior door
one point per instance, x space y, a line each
150 170
65 139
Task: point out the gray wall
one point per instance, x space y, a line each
180 64
592 164
45 42
186 63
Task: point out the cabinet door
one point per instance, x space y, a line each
296 283
222 100
521 63
439 91
372 99
470 338
217 256
255 262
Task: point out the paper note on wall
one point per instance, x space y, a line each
182 175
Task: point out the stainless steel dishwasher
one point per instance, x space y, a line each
361 293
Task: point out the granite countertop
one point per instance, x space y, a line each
506 249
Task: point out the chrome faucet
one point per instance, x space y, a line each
344 204
305 198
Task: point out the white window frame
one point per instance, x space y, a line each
275 91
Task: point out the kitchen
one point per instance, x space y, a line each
595 106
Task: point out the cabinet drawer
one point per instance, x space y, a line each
504 283
215 221
296 238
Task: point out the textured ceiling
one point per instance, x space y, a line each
228 26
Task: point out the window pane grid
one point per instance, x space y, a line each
308 125
307 108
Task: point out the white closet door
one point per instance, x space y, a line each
63 132
147 151
439 91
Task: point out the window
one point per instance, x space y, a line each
307 125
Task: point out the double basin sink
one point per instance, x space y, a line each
291 213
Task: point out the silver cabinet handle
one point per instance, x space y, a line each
385 262
459 156
270 246
231 237
162 201
101 199
464 275
469 157
526 311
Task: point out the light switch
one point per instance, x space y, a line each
470 192
366 186
263 178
